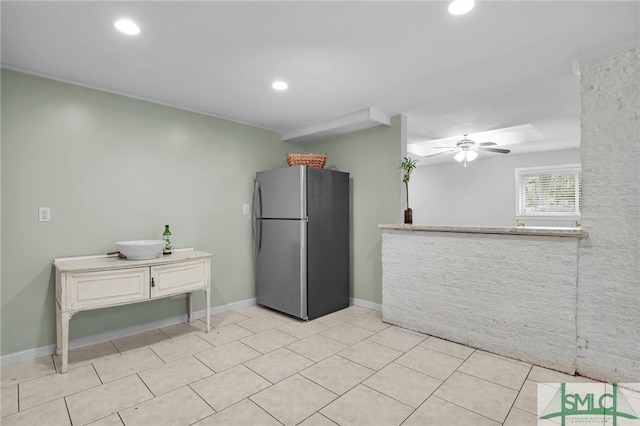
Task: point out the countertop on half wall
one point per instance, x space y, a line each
515 230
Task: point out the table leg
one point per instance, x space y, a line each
58 330
190 307
206 295
64 336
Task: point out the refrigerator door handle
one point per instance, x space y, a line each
257 200
304 314
256 223
259 223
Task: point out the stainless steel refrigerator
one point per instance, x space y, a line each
301 240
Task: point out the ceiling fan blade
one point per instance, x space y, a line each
486 144
500 150
444 147
443 152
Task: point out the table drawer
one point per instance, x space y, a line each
178 278
86 290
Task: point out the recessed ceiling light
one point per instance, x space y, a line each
128 27
280 85
460 7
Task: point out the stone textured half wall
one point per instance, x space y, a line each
609 278
510 295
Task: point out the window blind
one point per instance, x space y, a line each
550 192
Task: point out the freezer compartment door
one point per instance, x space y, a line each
281 262
281 193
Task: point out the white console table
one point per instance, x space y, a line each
94 282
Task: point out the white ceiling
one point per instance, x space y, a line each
503 65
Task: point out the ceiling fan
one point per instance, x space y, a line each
467 149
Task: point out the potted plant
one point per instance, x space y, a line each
407 165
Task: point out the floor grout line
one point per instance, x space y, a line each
260 407
68 412
205 401
513 404
434 391
388 345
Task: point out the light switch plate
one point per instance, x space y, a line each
245 209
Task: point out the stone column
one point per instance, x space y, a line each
608 296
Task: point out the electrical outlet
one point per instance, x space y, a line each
245 209
44 214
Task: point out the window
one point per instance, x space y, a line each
549 191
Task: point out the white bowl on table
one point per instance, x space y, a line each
140 249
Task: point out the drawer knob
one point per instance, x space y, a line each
153 282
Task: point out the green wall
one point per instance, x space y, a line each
371 157
114 168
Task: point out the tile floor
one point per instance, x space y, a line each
258 367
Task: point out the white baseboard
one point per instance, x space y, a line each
366 304
41 351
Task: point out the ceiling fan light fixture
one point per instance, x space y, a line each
460 7
466 155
